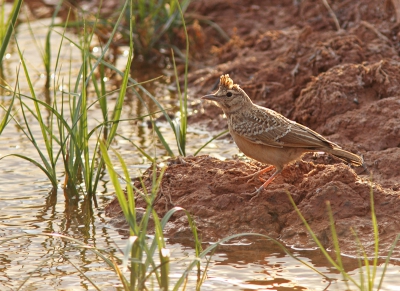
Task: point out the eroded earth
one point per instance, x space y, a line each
338 74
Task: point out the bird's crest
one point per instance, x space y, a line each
225 81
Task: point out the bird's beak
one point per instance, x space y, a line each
211 97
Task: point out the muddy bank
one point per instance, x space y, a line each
340 76
214 193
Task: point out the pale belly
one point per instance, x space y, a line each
278 157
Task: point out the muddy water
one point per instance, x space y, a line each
27 206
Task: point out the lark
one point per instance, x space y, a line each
267 136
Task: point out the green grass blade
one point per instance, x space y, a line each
48 168
218 28
362 254
134 83
6 116
376 238
213 138
62 141
46 128
107 45
180 129
163 252
180 134
101 97
10 27
203 278
3 27
6 119
127 252
142 152
316 240
186 53
336 245
197 246
116 114
118 106
83 131
37 164
173 16
83 275
162 139
47 138
117 185
224 240
394 244
131 197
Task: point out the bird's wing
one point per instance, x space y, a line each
265 126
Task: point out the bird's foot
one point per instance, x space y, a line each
255 193
251 178
257 175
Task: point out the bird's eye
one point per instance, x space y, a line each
229 94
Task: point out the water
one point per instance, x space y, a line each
40 262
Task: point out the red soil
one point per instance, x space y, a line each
342 83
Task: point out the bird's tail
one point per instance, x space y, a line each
347 156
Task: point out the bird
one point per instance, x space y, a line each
266 135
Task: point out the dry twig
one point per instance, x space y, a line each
377 32
326 4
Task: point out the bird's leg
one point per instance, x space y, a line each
258 174
263 186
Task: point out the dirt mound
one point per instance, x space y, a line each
345 88
339 75
214 193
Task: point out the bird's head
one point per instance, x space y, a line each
230 97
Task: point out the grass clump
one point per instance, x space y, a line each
154 24
65 137
140 257
368 280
